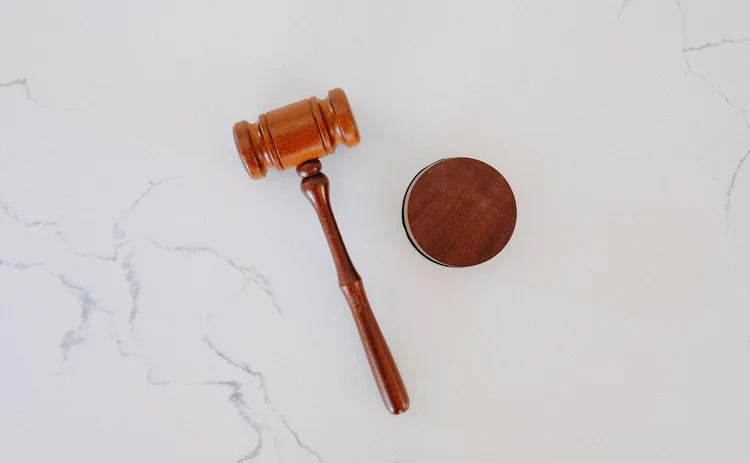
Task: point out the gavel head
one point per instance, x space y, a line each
288 136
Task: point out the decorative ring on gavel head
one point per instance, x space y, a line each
288 136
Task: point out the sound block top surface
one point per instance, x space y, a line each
459 212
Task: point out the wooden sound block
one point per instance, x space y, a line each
459 212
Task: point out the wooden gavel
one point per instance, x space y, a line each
296 136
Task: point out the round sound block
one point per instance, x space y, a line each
459 212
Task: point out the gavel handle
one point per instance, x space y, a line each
315 186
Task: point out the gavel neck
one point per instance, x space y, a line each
315 186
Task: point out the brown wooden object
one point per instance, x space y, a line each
459 212
296 136
288 136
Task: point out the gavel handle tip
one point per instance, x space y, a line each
383 366
398 409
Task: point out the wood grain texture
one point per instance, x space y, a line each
459 212
288 136
315 186
297 135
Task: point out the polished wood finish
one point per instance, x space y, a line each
296 136
288 136
459 212
315 186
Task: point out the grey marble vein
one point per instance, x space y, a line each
237 399
134 287
105 258
117 232
242 366
85 302
119 236
685 51
246 368
703 77
723 95
87 305
622 8
70 339
299 442
8 211
255 452
249 274
23 82
716 44
731 184
19 265
150 375
84 296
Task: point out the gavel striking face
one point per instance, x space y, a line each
296 136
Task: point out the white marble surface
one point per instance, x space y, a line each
159 306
